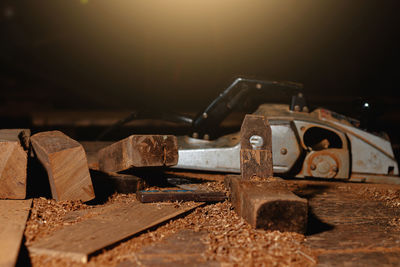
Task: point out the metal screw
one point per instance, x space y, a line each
283 151
256 141
313 167
205 115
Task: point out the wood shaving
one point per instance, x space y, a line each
230 240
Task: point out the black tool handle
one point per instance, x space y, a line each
230 98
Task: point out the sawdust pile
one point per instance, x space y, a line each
48 215
230 240
391 197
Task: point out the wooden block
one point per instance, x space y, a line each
13 216
116 223
13 166
139 151
65 162
179 195
268 204
255 148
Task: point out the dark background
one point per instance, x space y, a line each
179 55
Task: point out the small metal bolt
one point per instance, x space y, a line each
195 135
256 141
335 169
205 115
313 167
206 137
296 108
283 151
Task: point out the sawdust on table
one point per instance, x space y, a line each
230 240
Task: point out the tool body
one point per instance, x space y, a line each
318 144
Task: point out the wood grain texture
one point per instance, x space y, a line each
13 170
65 162
139 151
268 204
255 161
13 216
116 223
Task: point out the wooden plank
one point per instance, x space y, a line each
179 195
268 204
65 162
139 151
82 239
255 148
13 170
352 224
13 216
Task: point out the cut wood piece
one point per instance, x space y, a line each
20 135
13 165
65 162
139 151
13 216
255 148
82 239
268 204
179 195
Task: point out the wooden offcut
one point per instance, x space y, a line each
65 162
179 195
13 216
13 170
268 204
139 151
256 158
116 223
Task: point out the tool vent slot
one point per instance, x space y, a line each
319 138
